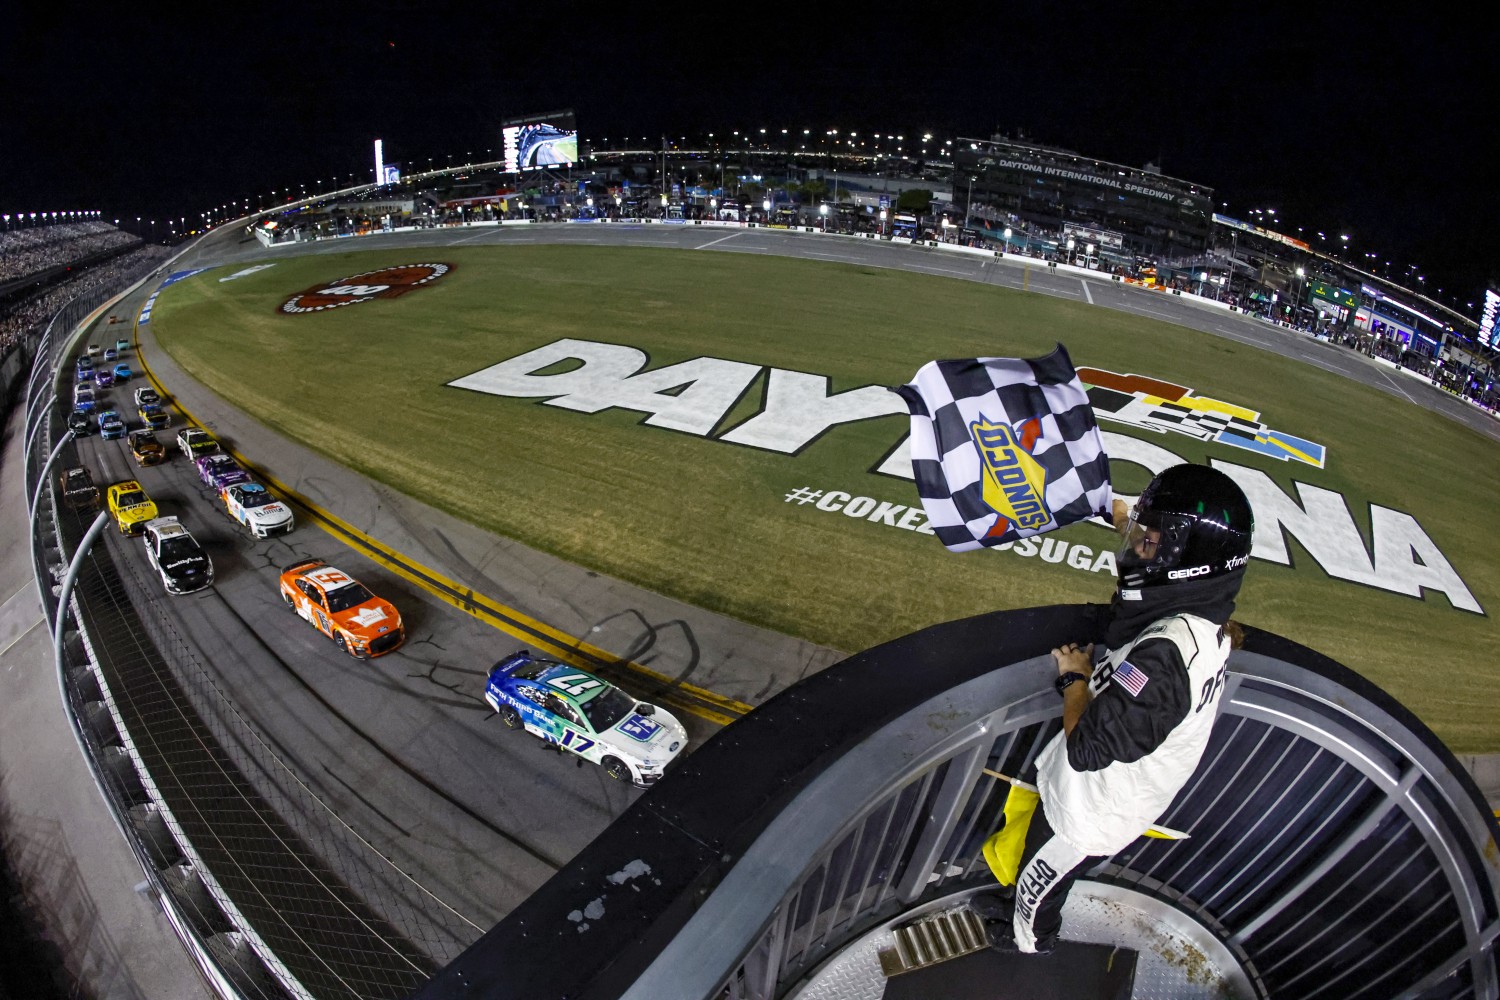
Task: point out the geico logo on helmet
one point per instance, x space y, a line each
1186 574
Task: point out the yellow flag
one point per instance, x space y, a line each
1003 849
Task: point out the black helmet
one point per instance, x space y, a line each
1191 523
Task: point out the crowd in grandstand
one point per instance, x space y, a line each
35 311
29 251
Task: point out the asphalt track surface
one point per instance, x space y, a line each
403 747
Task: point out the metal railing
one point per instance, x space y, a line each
1337 850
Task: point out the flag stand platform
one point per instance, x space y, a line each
1116 944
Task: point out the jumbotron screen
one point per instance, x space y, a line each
540 141
1489 335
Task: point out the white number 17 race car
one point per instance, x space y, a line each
585 715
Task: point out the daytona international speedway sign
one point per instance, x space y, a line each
695 396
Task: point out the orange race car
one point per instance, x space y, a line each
340 607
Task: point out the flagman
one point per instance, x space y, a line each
1136 718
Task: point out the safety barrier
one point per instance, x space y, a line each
1336 849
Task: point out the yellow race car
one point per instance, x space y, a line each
130 507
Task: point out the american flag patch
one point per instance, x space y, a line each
1131 679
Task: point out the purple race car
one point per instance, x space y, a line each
220 471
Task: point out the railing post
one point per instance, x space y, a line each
958 781
41 480
69 579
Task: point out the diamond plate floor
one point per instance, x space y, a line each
1177 959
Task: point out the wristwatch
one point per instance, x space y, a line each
1064 680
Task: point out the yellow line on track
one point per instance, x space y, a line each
698 701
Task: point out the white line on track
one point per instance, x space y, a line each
1146 311
14 613
943 270
23 634
1398 388
1086 293
717 241
470 239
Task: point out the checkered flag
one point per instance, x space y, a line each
1004 448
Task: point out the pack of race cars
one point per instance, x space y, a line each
569 709
170 547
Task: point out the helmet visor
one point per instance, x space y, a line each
1153 542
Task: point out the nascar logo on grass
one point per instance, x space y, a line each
695 397
386 283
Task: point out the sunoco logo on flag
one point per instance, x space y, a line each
1014 482
1004 448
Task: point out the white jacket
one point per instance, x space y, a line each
1102 812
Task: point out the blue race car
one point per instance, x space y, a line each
153 416
575 711
110 425
122 372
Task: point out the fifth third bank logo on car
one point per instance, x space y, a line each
386 283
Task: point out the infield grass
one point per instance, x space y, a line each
706 522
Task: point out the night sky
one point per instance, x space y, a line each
1370 125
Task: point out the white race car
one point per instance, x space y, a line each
194 442
252 505
575 711
177 556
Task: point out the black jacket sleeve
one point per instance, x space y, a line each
1119 726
